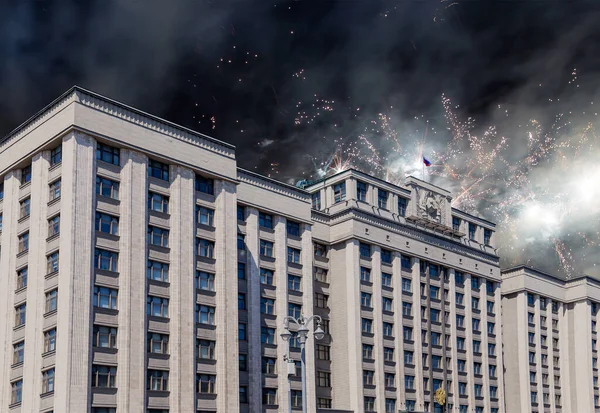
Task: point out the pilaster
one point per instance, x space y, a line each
281 307
308 305
378 329
469 341
417 357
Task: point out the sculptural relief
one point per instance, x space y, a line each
430 205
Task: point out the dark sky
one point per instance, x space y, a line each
368 56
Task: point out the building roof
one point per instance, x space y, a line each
94 95
560 277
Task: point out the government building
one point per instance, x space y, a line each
143 271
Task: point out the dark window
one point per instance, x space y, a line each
472 228
265 220
158 170
56 156
386 256
316 201
205 185
456 224
241 271
293 228
361 191
402 202
26 175
241 213
339 192
382 198
365 250
487 236
107 154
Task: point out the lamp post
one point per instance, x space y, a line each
302 333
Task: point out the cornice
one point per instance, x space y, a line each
269 184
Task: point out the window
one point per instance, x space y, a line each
103 336
266 248
531 357
388 354
382 198
461 365
476 346
492 371
406 285
18 352
241 213
365 274
0 221
265 220
293 228
267 335
205 314
361 191
106 187
26 175
365 299
436 362
478 389
241 301
472 229
369 404
54 226
51 301
16 391
365 250
407 333
456 224
460 343
266 276
205 216
321 300
323 352
368 377
387 304
491 349
367 325
56 156
157 306
323 379
434 292
530 318
462 389
402 203
435 338
20 315
22 278
533 397
48 381
267 305
458 278
205 185
269 365
490 287
293 255
103 376
532 377
388 329
23 242
487 236
1 188
323 403
531 338
474 283
316 200
107 153
158 236
105 260
475 303
367 351
460 320
107 223
243 394
24 208
490 306
158 380
294 282
321 275
434 270
269 397
158 170
530 300
158 202
157 271
339 192
206 349
477 369
242 331
435 315
410 405
409 382
243 362
294 310
408 357
491 328
554 307
205 281
205 248
241 271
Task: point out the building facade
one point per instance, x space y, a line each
145 272
550 330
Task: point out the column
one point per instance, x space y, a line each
581 357
523 349
38 232
253 298
538 353
398 330
453 338
355 387
469 341
378 329
484 343
226 283
131 337
499 347
182 368
281 307
551 351
8 253
308 305
565 359
75 278
418 358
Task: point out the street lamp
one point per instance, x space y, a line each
302 333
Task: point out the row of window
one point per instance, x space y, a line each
17 386
50 306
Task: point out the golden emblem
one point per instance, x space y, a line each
440 396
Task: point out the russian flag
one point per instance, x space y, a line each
426 162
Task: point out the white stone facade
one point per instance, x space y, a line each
550 330
166 286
